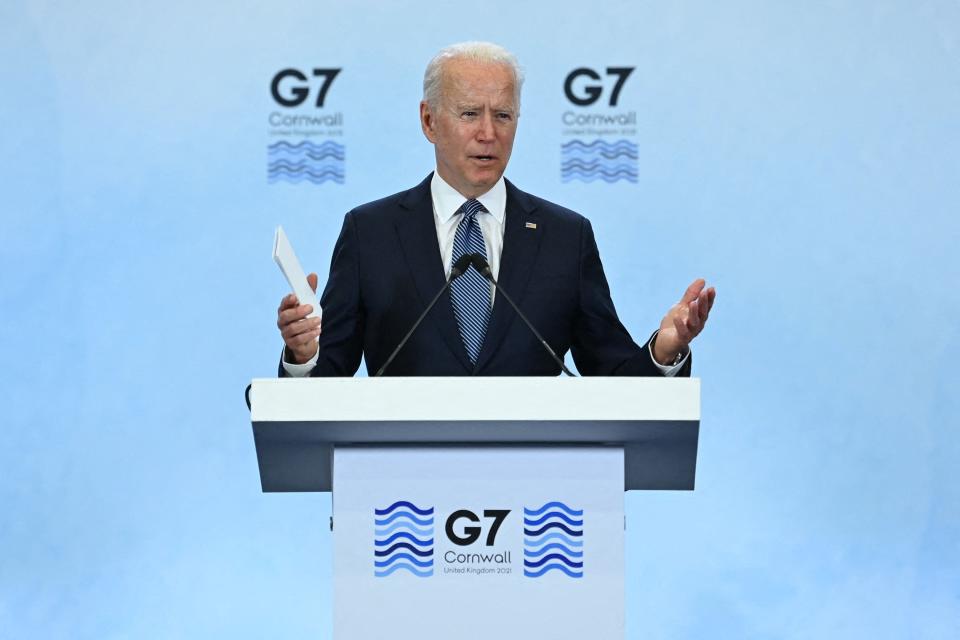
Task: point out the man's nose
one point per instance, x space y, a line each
485 130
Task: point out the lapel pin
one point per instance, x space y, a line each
531 225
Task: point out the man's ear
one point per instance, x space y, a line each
427 121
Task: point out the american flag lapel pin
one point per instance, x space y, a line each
531 225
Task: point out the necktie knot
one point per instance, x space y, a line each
471 208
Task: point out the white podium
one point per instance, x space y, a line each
477 507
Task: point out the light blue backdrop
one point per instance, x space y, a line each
801 156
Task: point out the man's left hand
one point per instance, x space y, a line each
683 322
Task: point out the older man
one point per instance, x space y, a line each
394 254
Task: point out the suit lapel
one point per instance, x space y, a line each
521 245
417 232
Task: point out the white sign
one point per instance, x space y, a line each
478 543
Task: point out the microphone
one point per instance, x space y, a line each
480 264
456 271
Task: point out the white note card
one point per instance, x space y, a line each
287 260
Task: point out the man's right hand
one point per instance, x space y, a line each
299 332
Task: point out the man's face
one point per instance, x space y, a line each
473 126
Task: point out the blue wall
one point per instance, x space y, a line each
802 157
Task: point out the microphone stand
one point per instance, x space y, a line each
456 271
480 264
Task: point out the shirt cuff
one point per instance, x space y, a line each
668 371
299 370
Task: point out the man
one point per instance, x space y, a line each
393 255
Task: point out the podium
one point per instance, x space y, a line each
477 507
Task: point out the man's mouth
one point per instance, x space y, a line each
483 158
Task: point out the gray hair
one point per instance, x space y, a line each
476 51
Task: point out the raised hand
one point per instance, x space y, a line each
299 332
683 322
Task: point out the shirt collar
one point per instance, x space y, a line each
447 200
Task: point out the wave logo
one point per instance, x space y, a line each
599 160
316 163
403 539
553 539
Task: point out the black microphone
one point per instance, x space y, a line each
456 271
480 264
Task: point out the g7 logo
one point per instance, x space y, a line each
471 534
299 93
592 91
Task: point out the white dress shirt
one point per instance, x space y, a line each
446 204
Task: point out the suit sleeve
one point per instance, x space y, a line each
602 346
342 328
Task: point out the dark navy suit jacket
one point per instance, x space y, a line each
386 267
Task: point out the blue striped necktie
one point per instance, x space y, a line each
470 293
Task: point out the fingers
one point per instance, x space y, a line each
693 290
693 321
703 307
299 332
687 318
302 332
705 304
288 315
704 298
303 346
698 311
288 301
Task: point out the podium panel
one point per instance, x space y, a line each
500 519
477 542
298 422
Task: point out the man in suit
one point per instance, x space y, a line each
394 254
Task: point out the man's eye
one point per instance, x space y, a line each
506 117
469 114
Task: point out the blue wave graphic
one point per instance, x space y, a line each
304 145
570 553
533 564
403 556
313 155
404 515
385 531
553 505
570 165
598 168
300 166
402 540
338 153
530 522
325 174
556 535
408 505
404 546
407 535
554 546
599 160
305 161
298 176
610 179
420 573
598 145
573 573
572 531
589 154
